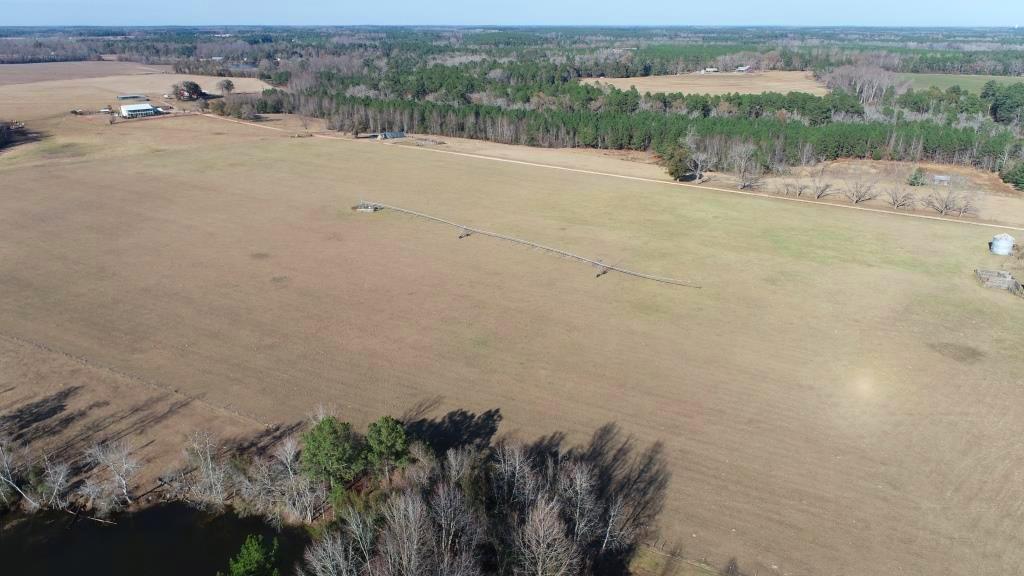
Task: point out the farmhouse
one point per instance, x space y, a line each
138 110
743 68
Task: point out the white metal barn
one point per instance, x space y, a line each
138 110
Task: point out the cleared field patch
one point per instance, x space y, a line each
838 385
41 72
721 83
49 98
970 82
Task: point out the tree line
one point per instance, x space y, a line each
587 52
414 497
778 141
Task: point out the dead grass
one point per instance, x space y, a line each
49 71
41 99
996 201
721 83
820 399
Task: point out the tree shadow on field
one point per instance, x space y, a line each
260 443
732 568
39 418
122 423
455 429
638 477
20 137
629 483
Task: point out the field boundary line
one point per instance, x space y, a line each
604 267
656 181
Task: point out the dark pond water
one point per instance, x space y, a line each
169 539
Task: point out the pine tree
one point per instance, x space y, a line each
254 559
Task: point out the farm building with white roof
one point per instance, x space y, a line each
138 110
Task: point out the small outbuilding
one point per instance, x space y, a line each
1001 245
138 110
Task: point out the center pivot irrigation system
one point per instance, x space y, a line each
466 231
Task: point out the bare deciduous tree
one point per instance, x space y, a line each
275 488
424 467
699 162
405 539
616 531
542 547
944 202
210 485
795 189
967 206
515 481
109 486
807 154
98 497
12 474
332 555
859 191
361 532
457 531
117 463
56 482
898 198
743 159
577 486
820 188
461 463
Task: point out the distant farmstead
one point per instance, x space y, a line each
383 135
138 110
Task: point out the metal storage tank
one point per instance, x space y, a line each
1001 245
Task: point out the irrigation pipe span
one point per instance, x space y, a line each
468 230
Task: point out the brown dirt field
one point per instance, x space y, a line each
721 83
48 71
840 397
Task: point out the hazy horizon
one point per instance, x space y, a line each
653 13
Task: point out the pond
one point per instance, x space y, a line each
168 539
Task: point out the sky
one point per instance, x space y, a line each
511 12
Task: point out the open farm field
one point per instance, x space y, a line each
721 83
970 82
839 396
49 71
50 98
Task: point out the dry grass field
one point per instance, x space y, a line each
721 83
840 397
54 98
48 71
